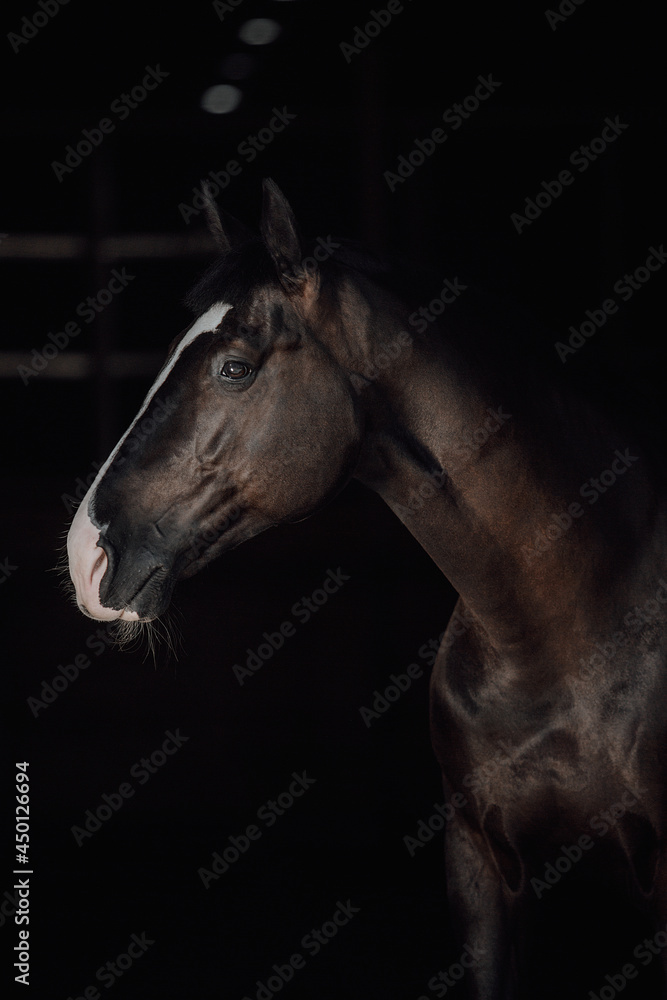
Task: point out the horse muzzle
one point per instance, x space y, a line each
137 587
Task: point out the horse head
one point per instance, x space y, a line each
250 423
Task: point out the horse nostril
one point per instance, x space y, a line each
101 558
99 569
107 550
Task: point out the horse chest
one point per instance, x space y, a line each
483 708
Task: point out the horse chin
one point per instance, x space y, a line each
153 600
104 614
150 600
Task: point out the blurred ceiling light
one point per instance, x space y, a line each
221 99
259 31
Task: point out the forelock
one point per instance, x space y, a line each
232 278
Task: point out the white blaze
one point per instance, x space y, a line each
87 561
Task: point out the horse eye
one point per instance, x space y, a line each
235 370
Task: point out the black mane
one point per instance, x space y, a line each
233 276
497 330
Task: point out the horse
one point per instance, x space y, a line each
307 365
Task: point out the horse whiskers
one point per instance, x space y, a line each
61 569
126 635
154 633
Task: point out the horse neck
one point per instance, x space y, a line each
487 476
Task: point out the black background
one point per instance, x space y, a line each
354 117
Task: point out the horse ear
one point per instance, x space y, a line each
281 235
227 231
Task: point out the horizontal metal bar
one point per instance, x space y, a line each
70 246
72 365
